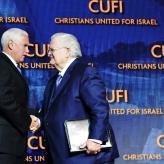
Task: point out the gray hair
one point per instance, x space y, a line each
69 41
12 34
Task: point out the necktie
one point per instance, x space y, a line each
58 80
19 70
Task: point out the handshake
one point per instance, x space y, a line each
35 123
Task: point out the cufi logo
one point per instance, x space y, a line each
106 6
157 51
160 141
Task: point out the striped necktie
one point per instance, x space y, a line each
58 80
19 70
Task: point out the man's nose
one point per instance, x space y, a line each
27 50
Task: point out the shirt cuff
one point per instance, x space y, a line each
97 141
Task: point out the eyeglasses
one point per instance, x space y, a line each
52 50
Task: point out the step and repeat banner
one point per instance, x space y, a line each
125 40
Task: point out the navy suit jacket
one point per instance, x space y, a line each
80 95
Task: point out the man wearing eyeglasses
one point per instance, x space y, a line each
14 118
75 92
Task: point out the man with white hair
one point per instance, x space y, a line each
75 92
14 118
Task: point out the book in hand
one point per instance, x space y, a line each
77 132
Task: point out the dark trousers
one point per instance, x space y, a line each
11 159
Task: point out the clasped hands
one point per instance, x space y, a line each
35 123
91 147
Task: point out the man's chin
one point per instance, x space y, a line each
52 63
22 60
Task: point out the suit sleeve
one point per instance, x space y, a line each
9 108
93 94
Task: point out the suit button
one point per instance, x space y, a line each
47 123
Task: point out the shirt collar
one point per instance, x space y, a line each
12 60
66 67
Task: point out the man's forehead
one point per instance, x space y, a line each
24 37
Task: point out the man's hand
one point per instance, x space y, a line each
92 147
35 123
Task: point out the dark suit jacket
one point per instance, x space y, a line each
81 94
14 119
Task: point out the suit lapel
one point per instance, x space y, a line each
49 89
14 68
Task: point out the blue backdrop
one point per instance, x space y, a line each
140 136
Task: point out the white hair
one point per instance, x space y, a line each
69 41
12 34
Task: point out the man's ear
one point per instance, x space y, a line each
68 53
10 44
